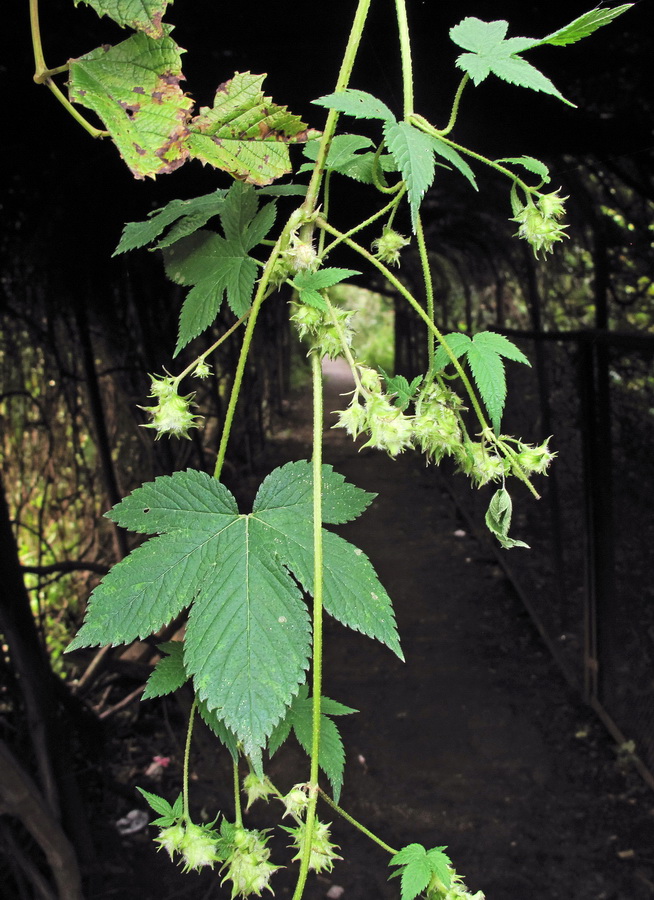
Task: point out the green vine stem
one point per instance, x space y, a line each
405 50
187 756
389 208
342 82
455 106
429 290
230 331
318 424
238 812
259 297
348 818
43 75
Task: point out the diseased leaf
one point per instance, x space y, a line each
248 634
134 88
141 15
528 162
245 133
359 104
498 519
413 152
584 25
169 675
492 52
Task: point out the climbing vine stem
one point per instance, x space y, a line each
187 755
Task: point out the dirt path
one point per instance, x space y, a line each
476 741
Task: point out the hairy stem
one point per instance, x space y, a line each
238 812
455 106
187 756
348 818
316 373
259 297
405 49
429 289
389 208
332 117
230 331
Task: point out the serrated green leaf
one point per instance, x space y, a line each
158 804
323 278
492 52
440 865
141 15
169 675
188 216
452 156
498 519
498 343
398 387
225 735
219 266
584 25
413 152
532 165
299 718
313 298
245 133
134 88
248 633
458 344
416 871
291 486
359 104
345 158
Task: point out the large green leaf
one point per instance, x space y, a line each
217 266
134 88
186 217
491 52
248 635
413 152
246 133
141 15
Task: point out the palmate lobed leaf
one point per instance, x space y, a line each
418 865
141 15
248 635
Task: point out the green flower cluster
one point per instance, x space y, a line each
246 859
319 330
171 414
196 844
387 247
539 221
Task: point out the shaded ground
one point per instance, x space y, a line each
475 742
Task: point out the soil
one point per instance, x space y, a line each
476 741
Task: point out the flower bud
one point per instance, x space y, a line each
198 847
387 247
322 855
296 802
256 788
170 839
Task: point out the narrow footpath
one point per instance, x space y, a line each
476 741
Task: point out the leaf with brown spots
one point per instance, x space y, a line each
246 133
141 15
134 88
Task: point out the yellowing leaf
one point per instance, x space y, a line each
246 133
134 88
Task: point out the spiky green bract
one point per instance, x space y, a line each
419 866
248 634
219 266
309 284
484 355
299 718
498 519
169 674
